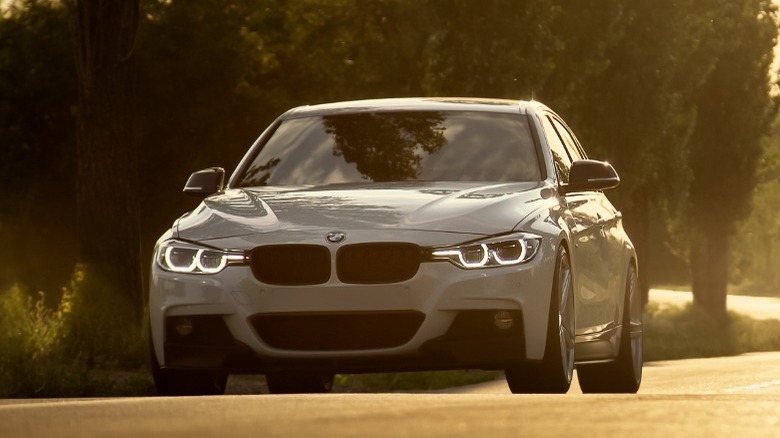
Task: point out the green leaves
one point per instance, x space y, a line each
650 85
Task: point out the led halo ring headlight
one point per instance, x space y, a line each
172 262
507 250
183 257
511 259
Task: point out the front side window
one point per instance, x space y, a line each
560 155
568 140
396 146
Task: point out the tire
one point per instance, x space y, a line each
299 383
554 373
171 382
624 374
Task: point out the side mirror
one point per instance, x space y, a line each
586 175
205 182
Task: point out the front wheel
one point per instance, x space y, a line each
172 382
187 382
553 375
623 375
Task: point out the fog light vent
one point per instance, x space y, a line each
197 330
184 326
503 320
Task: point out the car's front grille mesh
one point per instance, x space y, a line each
337 331
291 265
365 263
373 263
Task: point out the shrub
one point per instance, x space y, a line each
102 325
34 362
64 350
687 332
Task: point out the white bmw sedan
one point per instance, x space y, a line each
400 235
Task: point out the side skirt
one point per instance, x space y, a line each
597 347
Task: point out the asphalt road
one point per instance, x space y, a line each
734 396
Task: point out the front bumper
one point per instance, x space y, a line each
244 326
472 341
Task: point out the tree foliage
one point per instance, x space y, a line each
673 92
37 145
734 109
757 250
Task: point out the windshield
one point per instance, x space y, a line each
396 146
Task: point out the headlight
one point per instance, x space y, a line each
176 256
499 251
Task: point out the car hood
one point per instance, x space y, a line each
460 207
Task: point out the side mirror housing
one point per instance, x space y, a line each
205 182
587 175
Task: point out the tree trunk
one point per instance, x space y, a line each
710 268
107 182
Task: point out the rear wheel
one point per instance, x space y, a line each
624 375
554 373
299 382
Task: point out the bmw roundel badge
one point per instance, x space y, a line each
336 236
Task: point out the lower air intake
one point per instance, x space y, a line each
337 331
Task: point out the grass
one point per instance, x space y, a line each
413 381
82 347
687 332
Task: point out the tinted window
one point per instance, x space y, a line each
560 156
396 146
568 140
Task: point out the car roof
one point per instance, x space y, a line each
414 104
